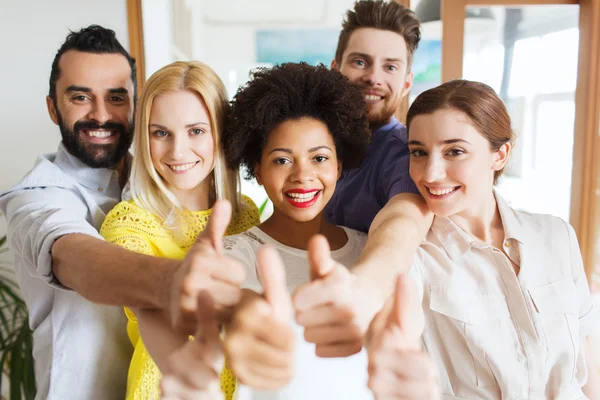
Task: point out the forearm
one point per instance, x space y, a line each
108 274
160 340
592 387
394 236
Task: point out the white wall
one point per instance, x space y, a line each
30 34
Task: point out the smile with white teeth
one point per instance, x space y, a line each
101 134
372 97
302 197
441 192
182 167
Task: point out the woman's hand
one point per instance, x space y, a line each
398 368
259 340
194 369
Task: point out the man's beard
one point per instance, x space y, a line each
96 155
383 115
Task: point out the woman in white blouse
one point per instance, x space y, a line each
505 300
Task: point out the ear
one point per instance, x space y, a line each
501 156
408 82
52 111
257 173
334 65
339 174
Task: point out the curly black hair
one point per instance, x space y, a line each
291 91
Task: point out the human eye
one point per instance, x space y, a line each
455 152
80 98
359 62
392 68
196 131
417 153
160 134
321 159
281 161
117 99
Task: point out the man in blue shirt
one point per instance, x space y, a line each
375 49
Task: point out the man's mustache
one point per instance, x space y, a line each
93 125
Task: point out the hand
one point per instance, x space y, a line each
398 368
194 369
206 269
336 307
259 341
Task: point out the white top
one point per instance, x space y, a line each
497 335
81 349
316 378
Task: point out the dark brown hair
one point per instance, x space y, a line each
478 101
383 15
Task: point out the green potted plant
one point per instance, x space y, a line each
16 339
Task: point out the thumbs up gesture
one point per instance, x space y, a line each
205 268
331 308
194 369
259 341
398 368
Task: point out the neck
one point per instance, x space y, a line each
378 124
483 222
196 199
122 169
296 234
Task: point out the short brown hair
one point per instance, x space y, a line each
383 15
478 101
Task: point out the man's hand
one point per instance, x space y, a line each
194 369
259 341
206 269
336 307
398 368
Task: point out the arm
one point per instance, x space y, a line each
52 238
395 234
103 272
592 387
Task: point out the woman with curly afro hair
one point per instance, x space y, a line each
293 127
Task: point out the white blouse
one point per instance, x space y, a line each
495 334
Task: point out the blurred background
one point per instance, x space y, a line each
541 56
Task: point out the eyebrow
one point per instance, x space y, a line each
159 126
75 88
449 141
289 151
364 55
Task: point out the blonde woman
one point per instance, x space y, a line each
178 173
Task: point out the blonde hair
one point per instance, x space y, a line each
148 189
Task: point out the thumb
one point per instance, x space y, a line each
406 313
217 225
272 276
319 257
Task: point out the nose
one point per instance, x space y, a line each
100 111
178 147
372 76
435 170
302 173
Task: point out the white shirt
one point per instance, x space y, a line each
495 334
81 349
315 378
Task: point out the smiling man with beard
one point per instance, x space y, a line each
80 348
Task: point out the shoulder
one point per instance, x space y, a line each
247 217
129 216
540 223
357 237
